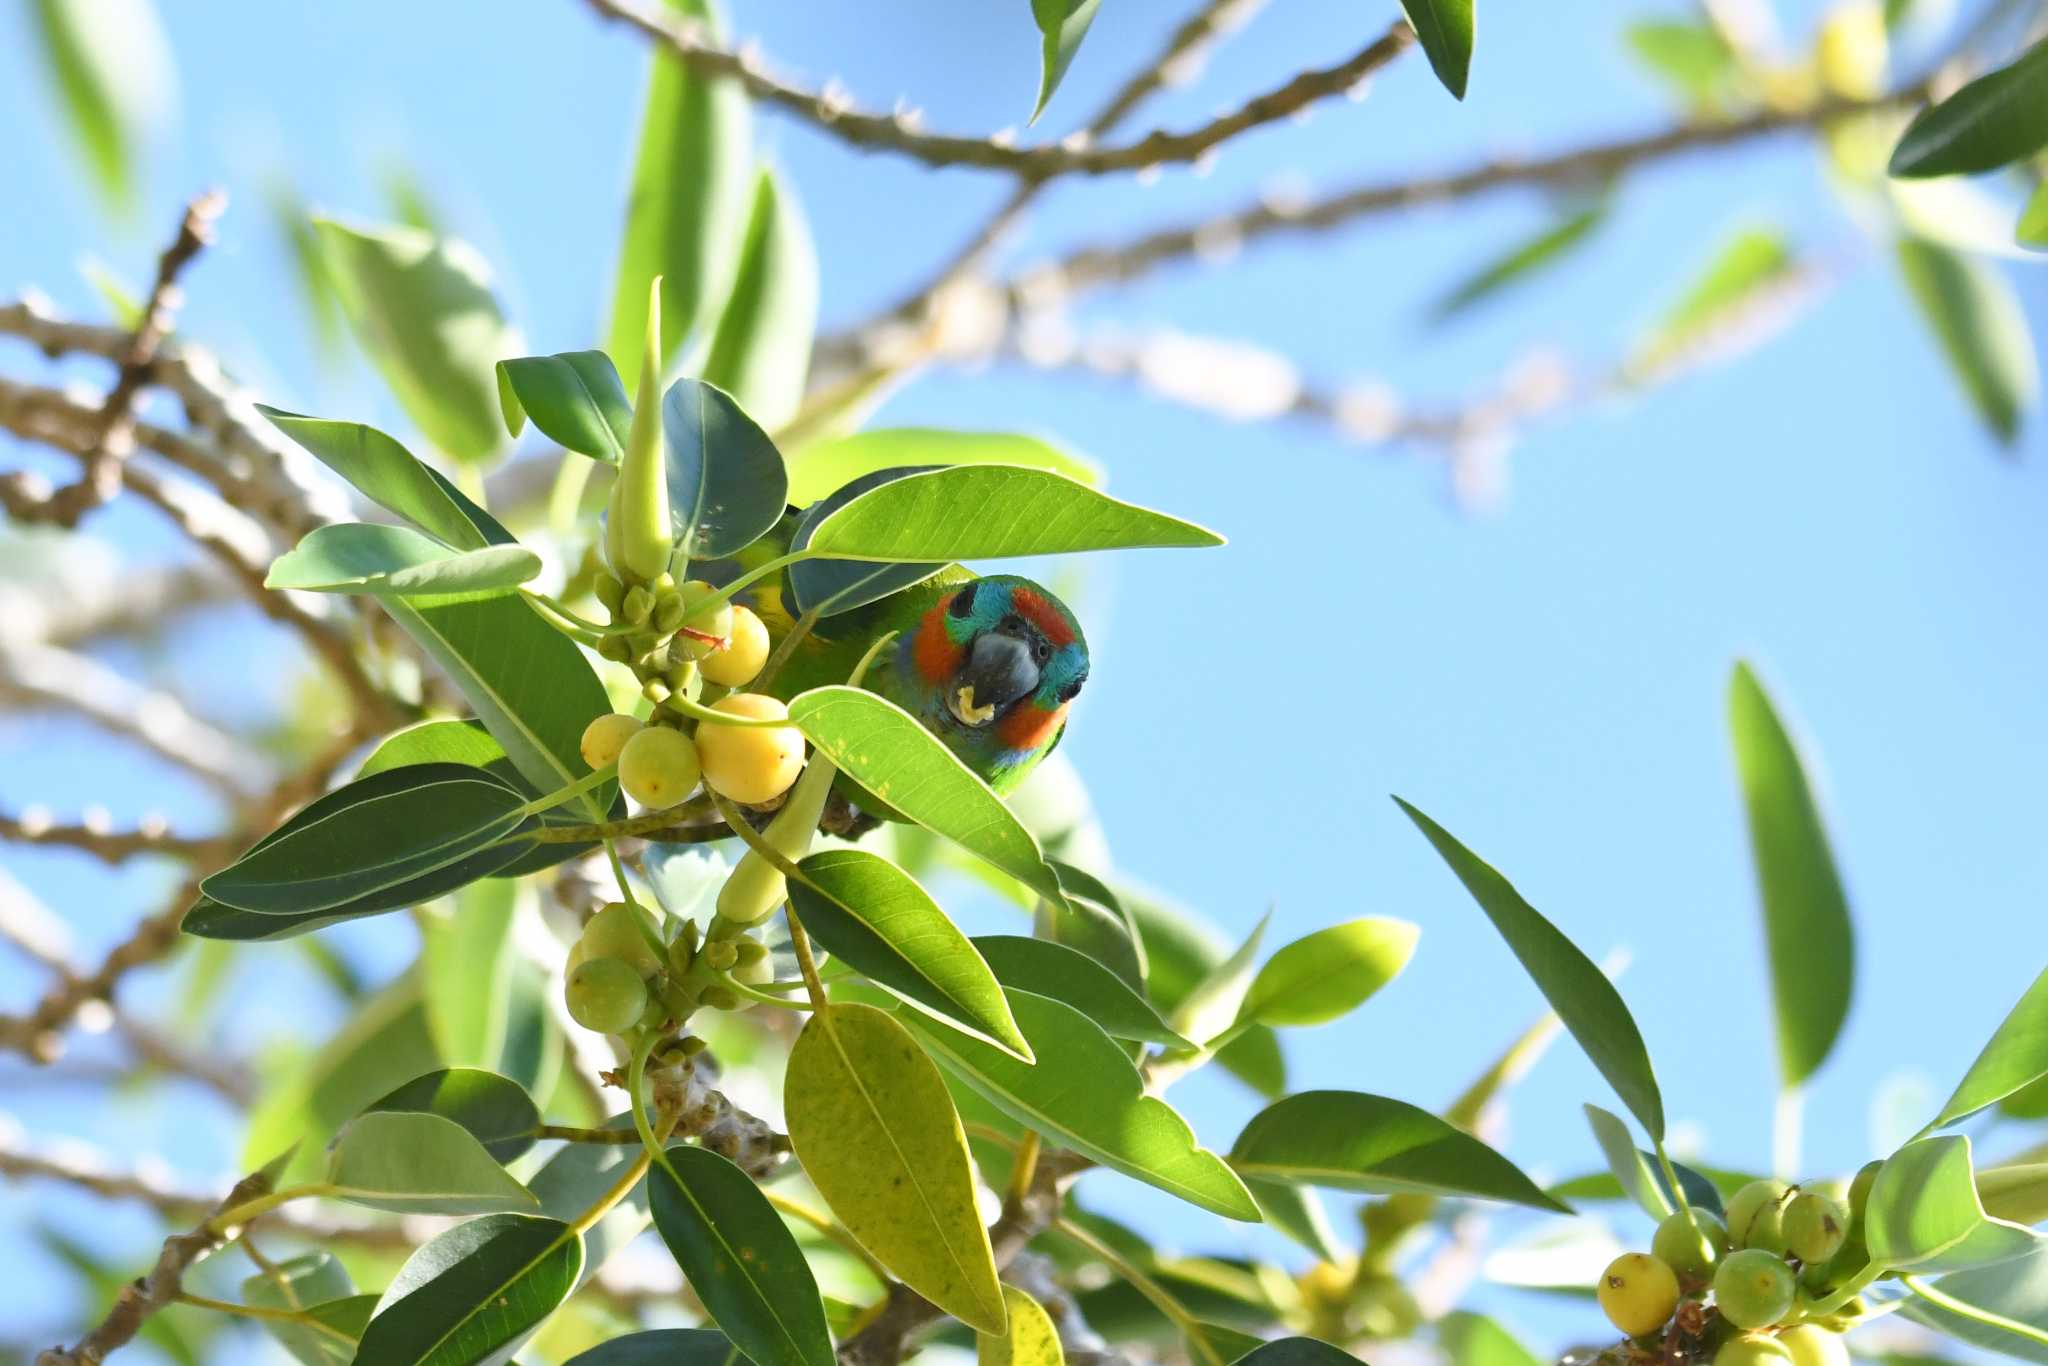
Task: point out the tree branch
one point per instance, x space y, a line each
96 837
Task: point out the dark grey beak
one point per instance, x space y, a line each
999 671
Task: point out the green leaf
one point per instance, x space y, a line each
1806 916
1091 920
575 398
530 685
374 834
870 1121
829 587
1062 24
1991 122
414 1162
362 557
726 483
1031 1340
466 954
1475 1340
877 919
1181 951
1297 1212
494 1110
825 467
1298 1351
1545 249
662 1347
1924 1215
1703 1187
761 351
1692 58
434 742
390 476
2032 230
421 306
475 1293
1445 30
111 69
318 1286
2016 1193
1738 280
1348 1140
1045 968
739 1258
2016 1056
686 205
885 749
1982 330
210 919
1090 1098
973 512
1577 990
1330 973
1637 1174
2015 1292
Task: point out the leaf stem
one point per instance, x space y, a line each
564 620
257 1311
1849 1290
571 1134
783 650
751 993
697 711
1976 1314
706 606
596 778
1161 1299
1024 1170
249 1209
271 1271
1681 1199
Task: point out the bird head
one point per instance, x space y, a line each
998 660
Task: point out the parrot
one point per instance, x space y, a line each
988 664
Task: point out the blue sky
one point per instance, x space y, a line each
1547 680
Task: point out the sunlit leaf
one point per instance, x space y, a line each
1993 121
824 467
2033 225
1742 278
362 557
1981 330
1636 1174
416 1162
1045 968
319 1287
1548 247
1690 57
2006 1308
466 954
1444 27
111 68
390 476
1475 1340
472 1295
1330 973
829 587
494 1110
1062 24
2016 1056
576 399
1924 1214
1030 1341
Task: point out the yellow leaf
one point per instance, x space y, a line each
1031 1341
874 1128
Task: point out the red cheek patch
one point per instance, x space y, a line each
934 652
1028 727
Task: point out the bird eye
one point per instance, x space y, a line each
963 601
1040 651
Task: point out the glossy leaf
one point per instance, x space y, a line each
1348 1140
1181 950
662 1347
1577 990
1806 915
111 68
575 399
829 587
1739 279
2016 1056
870 1121
1297 1351
472 1295
1993 121
390 476
1982 331
434 742
467 957
1297 1212
875 917
1062 24
885 749
362 557
1031 1339
530 685
1330 973
971 512
1444 27
726 484
686 205
1214 1003
415 1162
2032 230
494 1110
211 919
1924 1214
374 834
1636 1173
1475 1340
319 1287
1548 247
421 307
1091 919
739 1258
825 467
2014 1292
1089 1097
1045 968
761 350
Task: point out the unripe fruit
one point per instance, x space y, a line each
1754 1288
605 994
614 932
1755 1212
750 764
1811 1345
658 767
1638 1293
610 592
1679 1244
1815 1227
745 650
668 612
703 632
1752 1349
638 605
1859 1188
606 736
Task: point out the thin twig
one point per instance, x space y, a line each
94 836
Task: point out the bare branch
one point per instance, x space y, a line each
691 43
68 610
96 837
